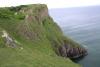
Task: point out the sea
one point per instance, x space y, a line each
82 24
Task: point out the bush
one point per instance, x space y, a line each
16 9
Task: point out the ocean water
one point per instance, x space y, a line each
83 25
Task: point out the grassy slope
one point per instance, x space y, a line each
35 53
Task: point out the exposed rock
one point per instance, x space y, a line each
72 52
62 51
9 41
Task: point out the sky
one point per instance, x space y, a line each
51 3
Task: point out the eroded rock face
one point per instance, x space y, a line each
72 52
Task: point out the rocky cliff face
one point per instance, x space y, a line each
31 27
65 49
39 36
72 52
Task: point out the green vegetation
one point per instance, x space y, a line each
38 39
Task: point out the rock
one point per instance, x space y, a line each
62 51
9 41
72 52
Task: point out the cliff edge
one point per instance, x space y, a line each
29 37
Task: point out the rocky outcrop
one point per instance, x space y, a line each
72 52
69 50
38 13
33 15
9 42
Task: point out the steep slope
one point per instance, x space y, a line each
30 38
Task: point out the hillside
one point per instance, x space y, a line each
30 38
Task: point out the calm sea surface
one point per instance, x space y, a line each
83 25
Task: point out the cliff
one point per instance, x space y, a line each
29 37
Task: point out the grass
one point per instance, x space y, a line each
36 39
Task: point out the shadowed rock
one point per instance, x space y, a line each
72 52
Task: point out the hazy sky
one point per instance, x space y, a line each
51 3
